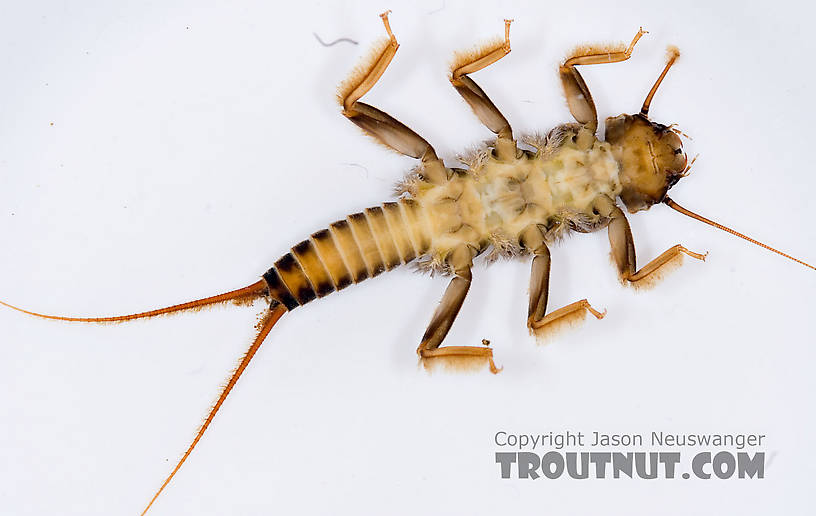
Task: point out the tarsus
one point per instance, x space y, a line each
693 215
253 291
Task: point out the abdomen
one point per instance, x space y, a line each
349 251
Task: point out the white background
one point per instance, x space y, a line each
193 143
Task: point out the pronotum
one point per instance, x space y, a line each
662 105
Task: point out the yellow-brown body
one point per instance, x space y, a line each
556 188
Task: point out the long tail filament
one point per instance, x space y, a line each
269 320
253 291
693 215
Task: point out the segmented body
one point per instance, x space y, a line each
486 206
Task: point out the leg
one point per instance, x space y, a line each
537 321
461 261
623 253
578 96
470 62
381 126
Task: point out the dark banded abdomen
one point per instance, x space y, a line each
349 251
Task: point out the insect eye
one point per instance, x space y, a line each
678 151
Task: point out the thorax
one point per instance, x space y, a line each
493 201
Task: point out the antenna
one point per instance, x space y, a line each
671 204
673 54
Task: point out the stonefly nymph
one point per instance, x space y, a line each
514 198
